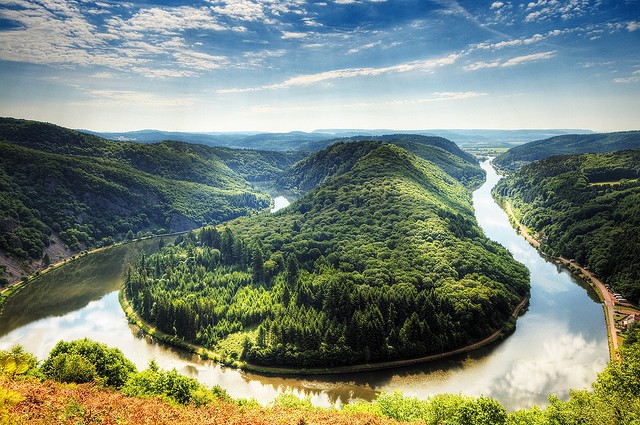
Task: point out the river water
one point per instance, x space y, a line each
559 343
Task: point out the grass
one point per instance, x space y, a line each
233 345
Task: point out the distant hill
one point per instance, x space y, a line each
176 160
585 207
518 156
240 140
62 191
311 171
382 259
299 140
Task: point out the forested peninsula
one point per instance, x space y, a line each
584 207
381 259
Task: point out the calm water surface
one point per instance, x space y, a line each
279 202
559 343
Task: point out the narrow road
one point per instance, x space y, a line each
609 299
609 305
523 230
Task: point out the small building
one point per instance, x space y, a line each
625 323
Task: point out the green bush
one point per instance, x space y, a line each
110 364
74 368
171 386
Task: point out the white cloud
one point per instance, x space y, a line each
443 96
365 47
60 32
547 373
428 65
128 98
482 65
633 26
166 21
567 9
435 97
357 1
634 78
103 75
536 38
510 62
294 35
158 73
244 10
200 61
528 58
496 5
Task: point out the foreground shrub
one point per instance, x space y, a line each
71 368
110 365
171 386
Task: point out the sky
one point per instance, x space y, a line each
283 65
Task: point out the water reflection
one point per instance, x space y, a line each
279 202
560 342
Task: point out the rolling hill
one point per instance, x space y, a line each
447 155
62 191
584 207
521 155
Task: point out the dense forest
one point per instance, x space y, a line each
382 260
584 207
31 393
524 154
75 191
311 171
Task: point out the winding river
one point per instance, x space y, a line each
560 342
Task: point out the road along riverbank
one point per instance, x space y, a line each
609 302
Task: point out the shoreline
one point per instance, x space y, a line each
145 327
15 286
608 301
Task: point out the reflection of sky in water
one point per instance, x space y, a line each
279 202
560 343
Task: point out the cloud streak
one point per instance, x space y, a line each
423 66
518 60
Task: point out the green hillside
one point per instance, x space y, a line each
442 152
521 155
383 260
214 166
62 191
585 207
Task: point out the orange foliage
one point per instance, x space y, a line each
53 403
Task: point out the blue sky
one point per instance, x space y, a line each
280 65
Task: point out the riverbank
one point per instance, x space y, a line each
134 318
9 290
608 300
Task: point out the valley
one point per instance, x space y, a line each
385 251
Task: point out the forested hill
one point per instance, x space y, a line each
310 172
584 207
568 144
216 166
62 191
382 261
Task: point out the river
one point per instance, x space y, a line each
559 343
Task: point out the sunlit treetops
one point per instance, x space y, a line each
381 260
